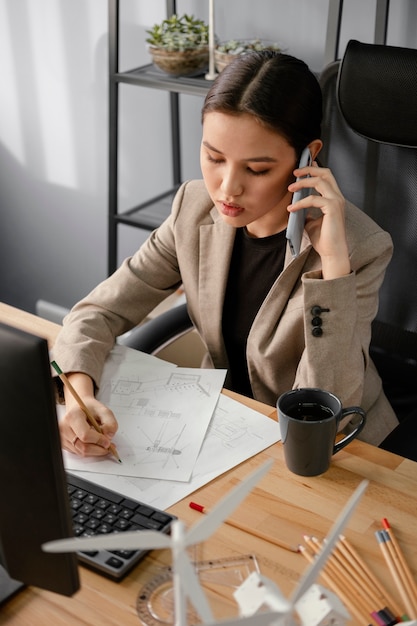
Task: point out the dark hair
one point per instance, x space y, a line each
277 89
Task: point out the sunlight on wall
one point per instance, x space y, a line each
11 135
51 80
53 97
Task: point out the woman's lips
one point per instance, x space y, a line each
231 210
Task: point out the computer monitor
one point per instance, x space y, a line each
33 490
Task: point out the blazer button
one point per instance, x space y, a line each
317 310
317 322
317 331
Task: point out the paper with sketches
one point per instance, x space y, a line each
235 434
163 414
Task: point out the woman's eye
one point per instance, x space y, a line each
213 160
219 161
257 172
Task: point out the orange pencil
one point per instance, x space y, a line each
366 575
343 578
395 573
402 564
339 590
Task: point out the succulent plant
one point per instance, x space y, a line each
241 46
179 33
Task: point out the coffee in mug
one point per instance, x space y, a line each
309 419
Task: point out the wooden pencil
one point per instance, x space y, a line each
402 577
338 589
360 565
407 576
372 592
248 529
343 576
392 565
90 417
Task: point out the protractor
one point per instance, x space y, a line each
155 602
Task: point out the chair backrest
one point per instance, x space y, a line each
170 336
370 140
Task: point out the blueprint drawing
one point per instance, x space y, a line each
163 413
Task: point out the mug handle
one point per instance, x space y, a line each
343 442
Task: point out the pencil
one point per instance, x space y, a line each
404 582
395 573
342 579
402 564
248 529
360 566
338 589
90 418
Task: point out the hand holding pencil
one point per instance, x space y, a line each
90 418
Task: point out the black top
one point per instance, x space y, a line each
254 267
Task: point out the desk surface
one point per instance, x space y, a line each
283 504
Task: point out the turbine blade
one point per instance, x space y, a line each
137 539
192 587
314 569
208 524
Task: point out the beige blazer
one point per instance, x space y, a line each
193 248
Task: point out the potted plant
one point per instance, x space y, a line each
179 45
226 51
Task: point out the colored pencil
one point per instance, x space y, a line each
90 417
392 563
248 529
338 589
344 579
364 571
407 576
352 580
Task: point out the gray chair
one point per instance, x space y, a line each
170 336
160 331
370 140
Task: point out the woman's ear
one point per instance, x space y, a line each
315 146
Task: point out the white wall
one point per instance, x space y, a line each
53 124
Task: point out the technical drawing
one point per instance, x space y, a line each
160 414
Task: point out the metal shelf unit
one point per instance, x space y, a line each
147 215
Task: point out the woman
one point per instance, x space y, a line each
275 322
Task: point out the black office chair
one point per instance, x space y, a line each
370 140
161 331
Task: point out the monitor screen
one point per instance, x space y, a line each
35 503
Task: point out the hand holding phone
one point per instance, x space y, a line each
296 220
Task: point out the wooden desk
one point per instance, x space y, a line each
282 504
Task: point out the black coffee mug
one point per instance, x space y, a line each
309 420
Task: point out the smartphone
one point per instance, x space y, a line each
297 219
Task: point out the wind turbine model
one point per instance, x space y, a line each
257 592
185 579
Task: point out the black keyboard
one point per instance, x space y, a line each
97 510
